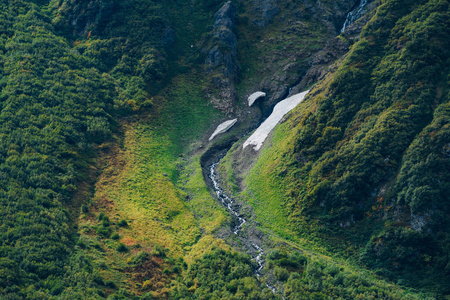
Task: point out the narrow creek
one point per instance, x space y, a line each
257 253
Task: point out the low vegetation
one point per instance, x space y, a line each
359 168
103 116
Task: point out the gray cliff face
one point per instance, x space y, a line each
264 11
290 66
225 16
221 62
297 45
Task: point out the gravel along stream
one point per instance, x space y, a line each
233 208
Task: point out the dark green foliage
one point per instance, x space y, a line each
84 209
101 216
140 258
54 110
159 251
147 296
221 275
104 231
373 155
293 262
122 248
122 38
110 284
280 274
67 70
122 223
327 280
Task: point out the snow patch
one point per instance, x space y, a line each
283 107
223 128
255 96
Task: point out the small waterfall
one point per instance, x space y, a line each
354 14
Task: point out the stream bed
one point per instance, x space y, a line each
257 253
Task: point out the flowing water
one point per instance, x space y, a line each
233 208
227 201
354 14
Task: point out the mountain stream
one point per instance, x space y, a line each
234 210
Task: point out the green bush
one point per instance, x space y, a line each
110 284
84 209
280 274
122 223
122 248
104 231
101 216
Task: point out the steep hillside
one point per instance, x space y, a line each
106 107
361 167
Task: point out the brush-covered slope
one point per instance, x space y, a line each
55 109
104 109
362 166
68 73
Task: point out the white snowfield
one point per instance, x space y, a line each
283 107
223 128
255 96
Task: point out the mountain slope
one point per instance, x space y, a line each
364 163
106 107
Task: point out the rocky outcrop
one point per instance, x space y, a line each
355 14
264 11
293 45
334 49
78 17
221 61
320 63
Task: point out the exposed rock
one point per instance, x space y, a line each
265 11
355 14
276 90
225 16
418 222
223 127
333 50
353 29
223 63
221 60
80 16
221 93
259 136
320 63
255 96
